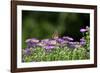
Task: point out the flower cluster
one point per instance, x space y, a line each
50 44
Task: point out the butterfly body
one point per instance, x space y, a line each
55 35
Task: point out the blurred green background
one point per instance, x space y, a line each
42 25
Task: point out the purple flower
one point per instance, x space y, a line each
31 42
82 39
82 43
40 44
52 42
45 41
34 40
68 38
27 51
49 47
71 43
49 42
59 40
83 30
28 40
65 37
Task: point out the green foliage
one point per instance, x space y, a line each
56 54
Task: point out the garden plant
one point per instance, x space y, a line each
57 48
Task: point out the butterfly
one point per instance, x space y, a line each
55 35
